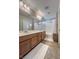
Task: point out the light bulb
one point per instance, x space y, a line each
25 6
40 13
39 17
27 9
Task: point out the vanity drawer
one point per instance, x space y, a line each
34 41
43 35
26 37
24 47
39 37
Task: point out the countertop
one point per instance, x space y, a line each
22 33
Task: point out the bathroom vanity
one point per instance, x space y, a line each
28 40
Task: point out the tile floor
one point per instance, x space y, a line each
49 38
47 49
38 52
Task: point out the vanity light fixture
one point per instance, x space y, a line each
26 8
39 17
39 13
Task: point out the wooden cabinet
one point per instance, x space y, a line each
39 36
25 47
28 42
43 35
55 37
34 42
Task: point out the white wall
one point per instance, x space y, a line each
51 26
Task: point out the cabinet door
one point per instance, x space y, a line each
24 47
39 37
34 42
55 37
43 35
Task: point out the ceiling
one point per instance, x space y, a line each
48 7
